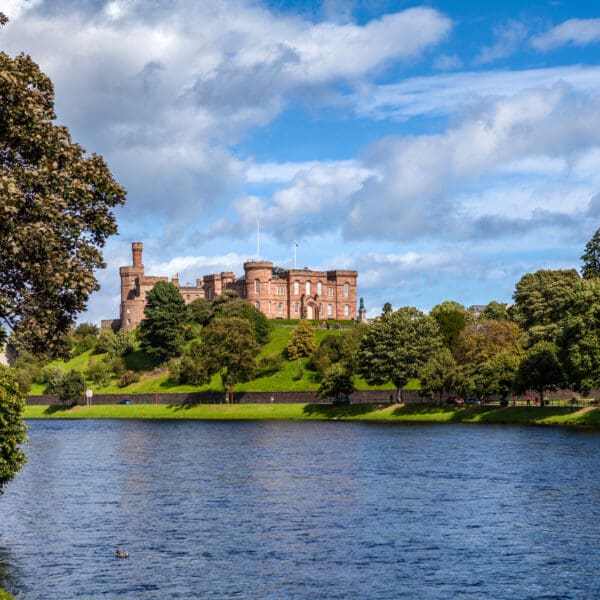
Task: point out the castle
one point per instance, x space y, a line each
278 293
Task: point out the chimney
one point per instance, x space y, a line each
136 250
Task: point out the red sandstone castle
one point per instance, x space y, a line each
278 293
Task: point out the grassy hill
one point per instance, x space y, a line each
293 376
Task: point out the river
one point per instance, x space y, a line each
285 510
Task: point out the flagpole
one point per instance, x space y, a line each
257 240
295 246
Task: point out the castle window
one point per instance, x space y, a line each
257 305
128 311
296 287
308 288
330 291
280 308
187 296
346 289
257 286
346 310
320 288
329 310
296 307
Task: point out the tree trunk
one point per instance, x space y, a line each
542 398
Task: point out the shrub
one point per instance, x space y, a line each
128 378
299 373
72 386
97 372
269 365
52 376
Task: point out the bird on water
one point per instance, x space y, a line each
121 553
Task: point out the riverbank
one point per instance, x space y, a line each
5 595
411 413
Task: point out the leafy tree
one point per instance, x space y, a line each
199 311
482 340
579 340
115 344
395 347
242 309
165 314
97 372
302 342
25 369
12 428
591 257
387 309
72 386
329 352
337 380
540 302
52 376
496 376
494 310
55 214
228 347
539 370
451 318
437 374
84 338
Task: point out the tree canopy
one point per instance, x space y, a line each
395 347
161 330
55 214
591 257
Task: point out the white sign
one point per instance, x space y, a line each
88 395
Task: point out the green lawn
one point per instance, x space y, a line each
587 417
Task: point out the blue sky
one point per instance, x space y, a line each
442 149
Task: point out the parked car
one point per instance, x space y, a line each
472 400
455 400
341 400
125 401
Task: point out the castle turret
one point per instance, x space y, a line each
132 305
258 278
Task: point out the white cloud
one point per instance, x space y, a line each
579 32
508 40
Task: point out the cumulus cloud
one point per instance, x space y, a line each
578 32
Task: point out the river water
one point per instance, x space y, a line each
302 510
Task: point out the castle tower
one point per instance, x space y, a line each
132 304
258 283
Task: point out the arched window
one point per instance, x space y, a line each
308 288
257 286
329 310
296 307
346 310
346 289
280 308
320 288
296 287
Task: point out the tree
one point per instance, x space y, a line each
496 376
72 386
115 344
395 347
540 302
161 334
437 374
494 310
242 309
228 347
591 257
12 428
337 380
199 311
302 342
539 370
55 214
451 318
579 340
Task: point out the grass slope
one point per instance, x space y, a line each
586 417
294 375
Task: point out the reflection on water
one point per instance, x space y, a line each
308 510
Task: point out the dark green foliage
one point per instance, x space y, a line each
12 428
228 347
115 344
191 368
72 386
539 369
84 338
302 342
451 318
395 347
336 380
329 352
437 374
228 307
269 365
55 214
494 310
199 311
579 340
496 376
541 301
161 330
26 369
591 257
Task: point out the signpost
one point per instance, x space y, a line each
89 394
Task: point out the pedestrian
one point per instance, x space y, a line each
271 400
528 400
